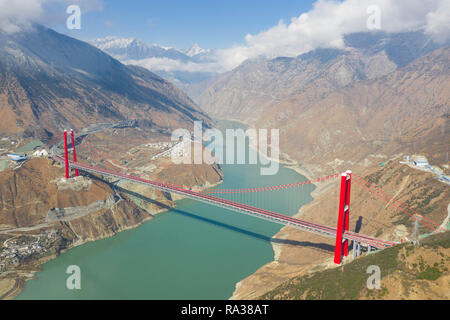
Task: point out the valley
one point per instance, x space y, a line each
174 255
377 103
127 112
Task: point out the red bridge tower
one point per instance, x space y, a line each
341 247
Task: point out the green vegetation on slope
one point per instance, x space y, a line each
349 280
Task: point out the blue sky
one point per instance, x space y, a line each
239 29
179 23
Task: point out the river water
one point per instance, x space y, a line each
196 251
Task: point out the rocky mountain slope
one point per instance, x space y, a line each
360 120
335 118
304 253
261 85
49 81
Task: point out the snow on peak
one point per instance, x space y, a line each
113 42
195 50
177 65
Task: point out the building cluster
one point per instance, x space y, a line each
166 148
21 251
161 145
12 252
421 162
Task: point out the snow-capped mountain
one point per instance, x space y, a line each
181 66
134 49
50 81
196 51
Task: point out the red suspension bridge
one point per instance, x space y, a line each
342 235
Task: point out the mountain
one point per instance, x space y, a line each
195 50
126 49
260 84
197 53
49 82
133 49
340 105
359 120
184 67
401 48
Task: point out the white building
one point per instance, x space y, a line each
40 153
420 161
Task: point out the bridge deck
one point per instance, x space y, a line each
238 207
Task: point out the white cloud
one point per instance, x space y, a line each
17 14
328 21
169 65
14 14
438 22
323 26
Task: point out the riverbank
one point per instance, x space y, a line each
29 271
7 293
